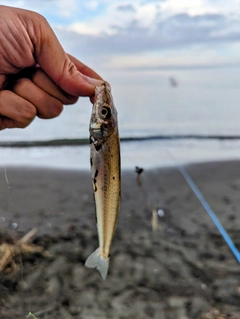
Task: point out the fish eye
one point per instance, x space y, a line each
106 112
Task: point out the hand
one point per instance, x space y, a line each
36 75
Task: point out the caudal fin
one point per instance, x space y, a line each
95 260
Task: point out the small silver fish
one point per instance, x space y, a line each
106 175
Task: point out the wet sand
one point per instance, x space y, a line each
183 270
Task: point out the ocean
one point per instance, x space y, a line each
205 102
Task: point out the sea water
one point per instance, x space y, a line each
204 102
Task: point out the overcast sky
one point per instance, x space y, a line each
143 34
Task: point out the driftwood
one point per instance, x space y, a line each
23 246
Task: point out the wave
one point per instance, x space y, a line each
85 141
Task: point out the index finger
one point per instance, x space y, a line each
84 69
52 58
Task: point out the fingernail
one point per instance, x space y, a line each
94 82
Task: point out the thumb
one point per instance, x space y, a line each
51 57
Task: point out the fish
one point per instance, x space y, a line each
106 174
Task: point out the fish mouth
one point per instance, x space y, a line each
102 87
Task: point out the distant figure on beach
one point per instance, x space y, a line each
173 82
37 77
139 171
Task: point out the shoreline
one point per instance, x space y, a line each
85 141
147 154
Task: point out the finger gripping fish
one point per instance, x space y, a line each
105 170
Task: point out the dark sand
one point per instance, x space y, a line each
185 270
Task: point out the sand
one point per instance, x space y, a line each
182 270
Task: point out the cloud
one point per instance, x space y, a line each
183 29
176 31
122 33
180 40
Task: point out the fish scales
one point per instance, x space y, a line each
110 189
105 167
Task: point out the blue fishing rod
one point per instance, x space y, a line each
207 208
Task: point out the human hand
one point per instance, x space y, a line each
36 75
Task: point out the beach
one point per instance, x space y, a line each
181 270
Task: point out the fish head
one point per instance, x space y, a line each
104 115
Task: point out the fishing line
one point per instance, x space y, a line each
206 206
6 177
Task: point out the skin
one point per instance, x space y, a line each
37 77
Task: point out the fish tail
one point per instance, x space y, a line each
98 261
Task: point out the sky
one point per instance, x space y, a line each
128 35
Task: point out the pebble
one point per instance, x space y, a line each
227 290
138 273
31 280
54 288
64 314
198 306
155 310
157 276
93 313
104 299
79 276
86 298
177 302
121 264
59 266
